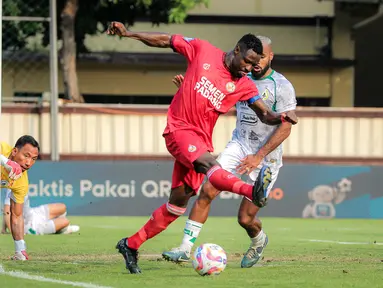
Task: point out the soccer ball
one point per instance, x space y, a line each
209 259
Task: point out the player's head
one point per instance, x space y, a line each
25 152
247 54
267 56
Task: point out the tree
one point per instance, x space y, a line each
78 18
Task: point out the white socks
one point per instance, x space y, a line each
191 233
20 246
258 240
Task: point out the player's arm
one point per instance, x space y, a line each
276 139
286 102
185 46
17 220
251 162
17 198
269 117
152 39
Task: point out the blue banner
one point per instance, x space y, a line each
136 188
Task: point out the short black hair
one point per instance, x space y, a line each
250 41
27 139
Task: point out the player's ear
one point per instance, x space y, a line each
14 151
237 49
271 56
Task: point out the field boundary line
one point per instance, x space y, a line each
27 276
342 242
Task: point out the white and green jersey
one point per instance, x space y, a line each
279 95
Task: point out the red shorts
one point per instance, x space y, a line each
186 146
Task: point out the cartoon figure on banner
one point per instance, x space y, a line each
324 197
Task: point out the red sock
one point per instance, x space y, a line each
225 181
158 222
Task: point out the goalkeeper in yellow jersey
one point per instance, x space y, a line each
14 165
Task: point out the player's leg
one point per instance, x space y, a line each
184 183
247 219
17 228
191 149
229 159
56 210
253 226
51 226
223 180
163 216
193 226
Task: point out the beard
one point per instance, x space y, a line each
260 74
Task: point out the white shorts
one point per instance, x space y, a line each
37 221
231 157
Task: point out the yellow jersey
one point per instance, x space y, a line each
18 187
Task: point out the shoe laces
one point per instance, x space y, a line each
180 250
177 249
251 253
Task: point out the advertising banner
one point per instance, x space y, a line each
136 188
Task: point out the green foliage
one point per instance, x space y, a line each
90 14
178 13
16 33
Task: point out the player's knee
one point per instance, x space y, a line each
16 213
208 192
244 219
15 217
65 222
180 196
62 208
204 163
175 210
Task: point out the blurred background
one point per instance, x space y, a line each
98 104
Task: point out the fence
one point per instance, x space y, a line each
114 131
29 40
25 40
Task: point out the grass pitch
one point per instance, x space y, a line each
301 253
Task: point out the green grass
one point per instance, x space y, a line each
290 259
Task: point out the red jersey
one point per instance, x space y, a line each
208 89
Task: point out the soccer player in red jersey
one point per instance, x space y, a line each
214 82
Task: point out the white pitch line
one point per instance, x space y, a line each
24 275
342 242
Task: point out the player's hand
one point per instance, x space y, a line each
290 116
13 169
178 79
117 28
248 164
